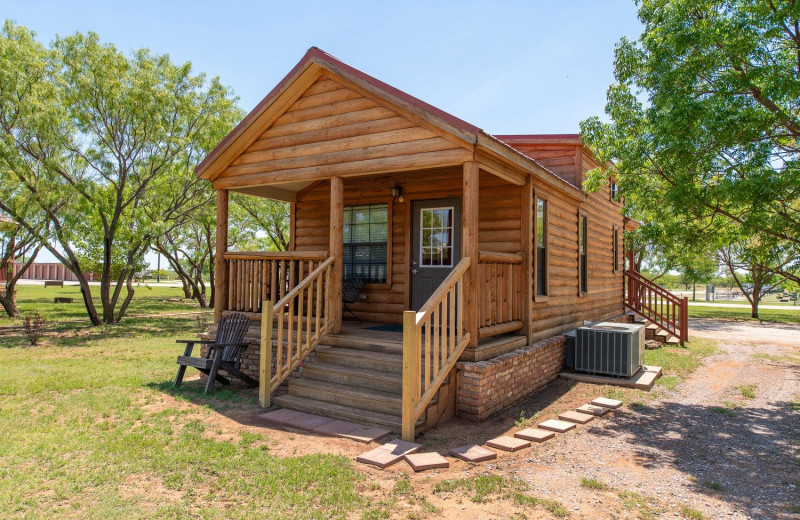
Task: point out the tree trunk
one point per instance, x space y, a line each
9 303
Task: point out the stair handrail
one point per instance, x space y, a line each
676 318
441 317
313 292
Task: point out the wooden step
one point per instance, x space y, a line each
390 382
361 398
339 411
494 347
354 376
380 361
357 343
673 340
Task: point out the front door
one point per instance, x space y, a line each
435 245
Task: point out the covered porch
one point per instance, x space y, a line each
479 306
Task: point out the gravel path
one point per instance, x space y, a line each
704 446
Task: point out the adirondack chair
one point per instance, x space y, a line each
351 288
225 353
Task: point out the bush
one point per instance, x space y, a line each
34 327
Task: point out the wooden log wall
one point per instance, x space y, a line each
335 130
498 228
564 308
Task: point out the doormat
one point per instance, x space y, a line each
388 327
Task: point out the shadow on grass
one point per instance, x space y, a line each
77 334
236 402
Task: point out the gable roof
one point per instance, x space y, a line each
317 59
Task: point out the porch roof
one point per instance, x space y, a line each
496 155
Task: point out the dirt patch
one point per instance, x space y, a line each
708 445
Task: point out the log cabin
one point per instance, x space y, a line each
473 252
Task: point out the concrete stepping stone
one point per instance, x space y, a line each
280 416
424 461
507 443
387 454
607 403
366 434
535 434
595 410
473 453
557 426
337 428
576 417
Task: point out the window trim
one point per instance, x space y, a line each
389 211
615 263
452 242
537 195
582 215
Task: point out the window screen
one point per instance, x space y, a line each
366 232
541 247
582 259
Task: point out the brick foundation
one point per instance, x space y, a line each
486 387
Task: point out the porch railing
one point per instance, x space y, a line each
433 339
500 282
297 321
658 305
254 277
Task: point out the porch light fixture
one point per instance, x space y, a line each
397 193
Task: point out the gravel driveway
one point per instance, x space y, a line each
703 447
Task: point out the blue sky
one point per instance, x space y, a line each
507 67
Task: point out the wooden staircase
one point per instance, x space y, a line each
357 378
652 331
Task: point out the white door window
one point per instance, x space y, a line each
436 237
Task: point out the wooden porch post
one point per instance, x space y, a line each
335 248
220 271
469 247
527 266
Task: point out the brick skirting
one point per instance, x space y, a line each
486 387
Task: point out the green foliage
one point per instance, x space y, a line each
592 483
705 121
101 146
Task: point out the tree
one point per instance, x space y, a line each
14 243
705 118
753 262
189 249
104 146
255 217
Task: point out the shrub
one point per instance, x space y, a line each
34 327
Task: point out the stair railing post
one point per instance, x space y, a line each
265 360
684 320
411 360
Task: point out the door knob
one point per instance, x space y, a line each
414 271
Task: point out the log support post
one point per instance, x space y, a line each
220 269
528 251
335 248
411 374
469 247
265 359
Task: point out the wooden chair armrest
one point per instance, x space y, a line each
201 341
244 345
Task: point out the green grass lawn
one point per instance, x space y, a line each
147 300
743 313
86 433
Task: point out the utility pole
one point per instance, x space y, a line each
158 269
